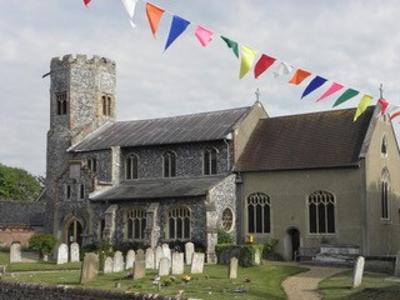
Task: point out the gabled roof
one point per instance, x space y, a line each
317 140
159 188
208 126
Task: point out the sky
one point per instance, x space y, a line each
356 43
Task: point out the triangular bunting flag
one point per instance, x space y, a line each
383 105
362 106
299 76
178 26
86 2
231 44
204 35
154 14
248 56
317 82
395 115
283 69
332 89
347 95
263 64
130 6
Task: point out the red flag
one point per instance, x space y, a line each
395 115
263 64
86 2
383 104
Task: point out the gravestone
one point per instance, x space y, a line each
397 265
165 266
177 263
74 252
90 267
150 263
15 253
159 254
62 254
257 257
139 270
233 268
166 251
118 265
189 250
358 271
130 259
108 265
197 263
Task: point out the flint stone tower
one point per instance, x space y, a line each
82 98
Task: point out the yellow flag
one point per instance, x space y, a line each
248 56
362 106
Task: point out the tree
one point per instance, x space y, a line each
17 184
42 243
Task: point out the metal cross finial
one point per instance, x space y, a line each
381 90
258 94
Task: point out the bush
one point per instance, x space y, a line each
245 253
224 237
124 247
269 248
42 243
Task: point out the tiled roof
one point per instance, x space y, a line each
316 140
159 188
199 127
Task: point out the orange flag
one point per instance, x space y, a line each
154 14
299 76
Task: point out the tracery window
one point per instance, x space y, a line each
62 104
136 224
321 212
210 162
259 213
179 223
106 102
131 167
384 191
169 159
227 219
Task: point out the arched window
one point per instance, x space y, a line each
259 213
210 162
169 159
136 224
179 223
384 189
106 102
384 147
227 219
321 212
62 106
131 167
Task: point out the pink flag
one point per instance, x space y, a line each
86 2
332 89
204 35
383 104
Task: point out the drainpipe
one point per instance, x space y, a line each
228 152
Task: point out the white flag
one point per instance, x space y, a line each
283 69
130 6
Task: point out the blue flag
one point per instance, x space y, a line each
178 26
313 85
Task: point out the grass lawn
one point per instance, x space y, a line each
265 282
39 266
373 287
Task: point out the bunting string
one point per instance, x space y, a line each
248 60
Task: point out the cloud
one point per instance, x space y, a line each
354 42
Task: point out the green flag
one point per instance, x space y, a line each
347 95
232 44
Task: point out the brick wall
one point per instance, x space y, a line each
9 235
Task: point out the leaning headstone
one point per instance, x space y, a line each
62 254
150 263
397 265
257 257
177 263
166 251
140 268
159 254
165 266
197 263
189 250
118 265
358 271
233 268
74 252
130 259
108 265
15 253
90 267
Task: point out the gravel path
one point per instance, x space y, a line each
304 286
